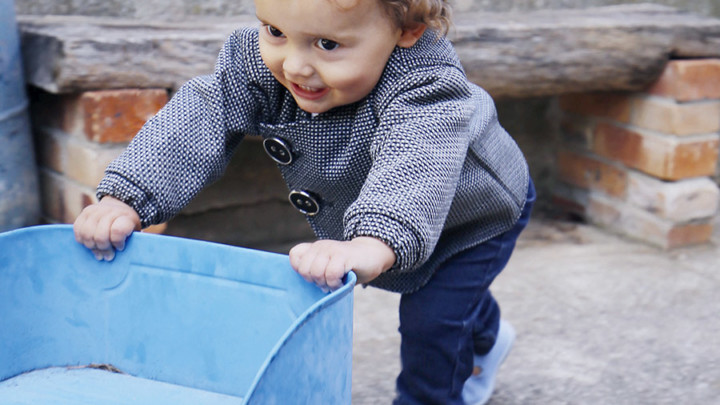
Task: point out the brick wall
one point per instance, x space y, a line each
638 163
643 164
77 136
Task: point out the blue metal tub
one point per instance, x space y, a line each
183 321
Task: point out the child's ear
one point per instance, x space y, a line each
410 35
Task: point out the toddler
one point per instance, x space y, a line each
397 161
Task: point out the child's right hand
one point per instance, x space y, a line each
104 226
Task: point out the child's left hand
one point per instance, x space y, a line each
326 262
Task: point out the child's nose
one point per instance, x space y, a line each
297 64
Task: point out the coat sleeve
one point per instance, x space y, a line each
188 144
418 156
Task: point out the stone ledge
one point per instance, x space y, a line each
510 54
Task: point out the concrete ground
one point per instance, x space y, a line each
600 320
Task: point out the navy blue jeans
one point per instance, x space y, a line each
453 316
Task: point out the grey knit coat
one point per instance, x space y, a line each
420 163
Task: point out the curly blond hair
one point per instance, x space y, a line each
407 13
435 14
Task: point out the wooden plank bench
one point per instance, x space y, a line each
510 54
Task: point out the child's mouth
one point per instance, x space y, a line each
309 93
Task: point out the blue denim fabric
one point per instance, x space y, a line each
451 317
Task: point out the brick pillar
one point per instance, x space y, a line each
78 135
642 164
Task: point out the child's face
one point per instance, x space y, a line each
324 55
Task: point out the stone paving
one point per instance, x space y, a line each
600 320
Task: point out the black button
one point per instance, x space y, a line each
304 202
278 150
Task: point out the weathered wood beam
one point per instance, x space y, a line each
511 54
563 51
64 54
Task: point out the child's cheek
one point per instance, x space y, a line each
271 59
353 81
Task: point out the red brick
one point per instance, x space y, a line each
604 211
641 225
686 80
62 198
689 234
666 157
100 116
670 117
78 159
117 115
615 106
590 173
677 201
694 159
86 162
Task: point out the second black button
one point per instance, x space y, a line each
304 202
278 150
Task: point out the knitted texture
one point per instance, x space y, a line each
420 163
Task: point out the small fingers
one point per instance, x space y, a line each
84 227
86 233
312 267
309 262
120 230
101 237
107 255
296 254
318 271
335 272
104 228
321 263
111 234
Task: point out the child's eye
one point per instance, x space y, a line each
327 45
274 31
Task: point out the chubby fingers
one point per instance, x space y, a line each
86 227
100 241
104 227
320 263
110 235
120 229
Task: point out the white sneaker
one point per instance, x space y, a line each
479 387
